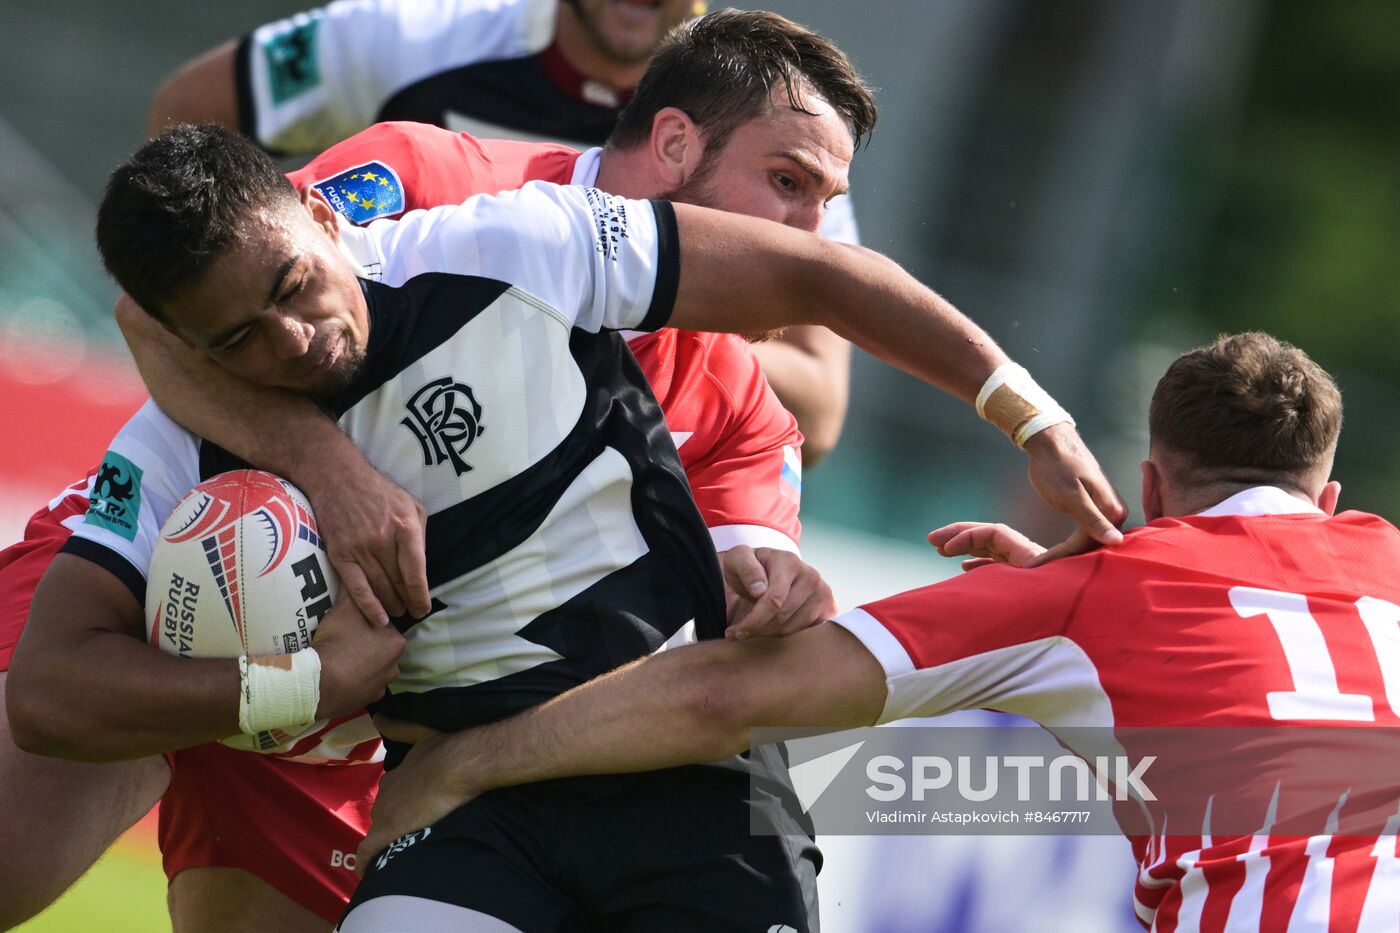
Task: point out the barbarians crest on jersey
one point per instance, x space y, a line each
364 193
446 419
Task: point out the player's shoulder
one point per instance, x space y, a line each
464 30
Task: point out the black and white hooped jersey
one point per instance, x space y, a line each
489 68
562 538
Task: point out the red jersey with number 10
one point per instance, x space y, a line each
1260 612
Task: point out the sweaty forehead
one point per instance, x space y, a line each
812 124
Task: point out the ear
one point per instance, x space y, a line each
322 214
1151 491
1327 499
675 146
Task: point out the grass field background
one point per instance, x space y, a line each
123 893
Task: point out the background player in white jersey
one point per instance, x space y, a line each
314 284
1172 628
523 69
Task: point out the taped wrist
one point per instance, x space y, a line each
1011 400
278 691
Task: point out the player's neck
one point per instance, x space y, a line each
1194 500
628 173
580 52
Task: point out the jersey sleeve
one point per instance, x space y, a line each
312 79
749 487
599 261
150 466
996 637
23 563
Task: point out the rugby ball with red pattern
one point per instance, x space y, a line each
240 568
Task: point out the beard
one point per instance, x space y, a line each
343 375
698 190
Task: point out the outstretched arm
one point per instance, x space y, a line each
784 277
687 705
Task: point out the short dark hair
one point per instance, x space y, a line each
178 203
721 69
1248 403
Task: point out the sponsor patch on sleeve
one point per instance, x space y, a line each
609 222
364 193
115 502
292 66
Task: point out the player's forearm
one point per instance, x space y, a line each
111 697
744 275
277 430
201 90
656 713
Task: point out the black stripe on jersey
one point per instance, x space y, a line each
214 460
512 93
626 615
110 561
243 88
400 334
620 413
668 267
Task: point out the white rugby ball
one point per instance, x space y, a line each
240 568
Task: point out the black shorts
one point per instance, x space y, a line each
678 850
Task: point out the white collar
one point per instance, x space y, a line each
359 246
586 168
1263 500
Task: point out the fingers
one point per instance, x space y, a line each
355 583
985 542
743 572
413 570
797 598
1077 543
1092 521
940 537
763 613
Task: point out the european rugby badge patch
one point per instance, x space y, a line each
365 192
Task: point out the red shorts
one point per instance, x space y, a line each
294 825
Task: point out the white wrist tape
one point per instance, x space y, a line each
1011 400
278 691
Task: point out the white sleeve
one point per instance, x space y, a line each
309 81
150 466
596 260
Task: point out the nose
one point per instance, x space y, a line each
293 337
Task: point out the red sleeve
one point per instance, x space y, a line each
22 565
435 166
992 638
740 447
983 610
